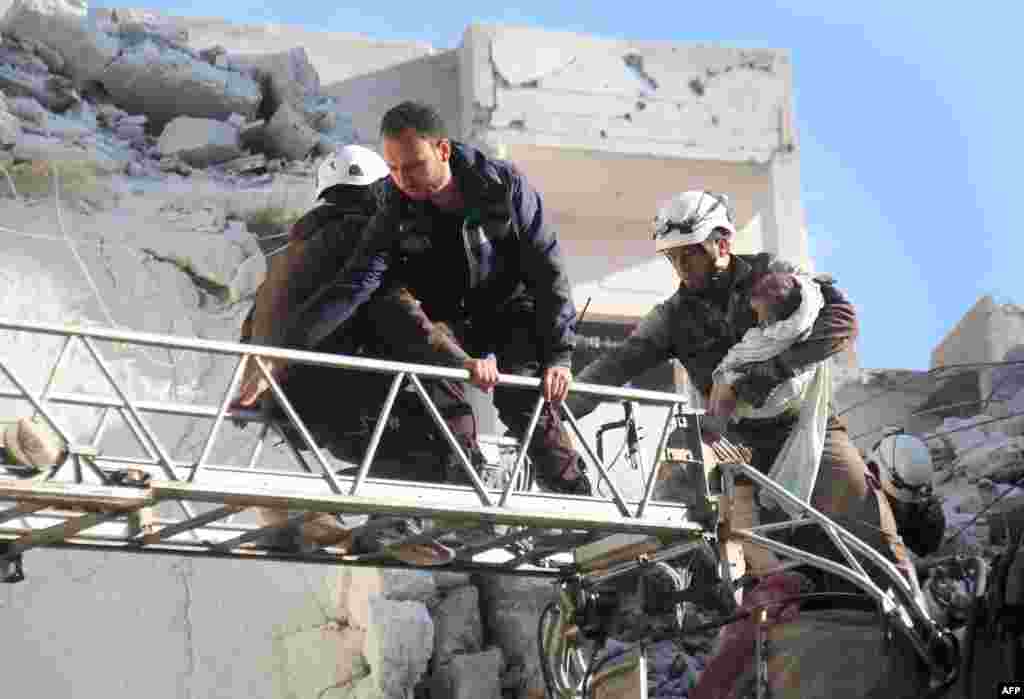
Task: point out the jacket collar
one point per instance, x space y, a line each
477 175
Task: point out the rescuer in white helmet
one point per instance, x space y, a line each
903 466
698 325
346 193
347 167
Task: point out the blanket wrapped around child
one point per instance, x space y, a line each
809 393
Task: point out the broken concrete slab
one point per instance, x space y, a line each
133 133
10 130
326 115
288 135
446 580
246 163
129 21
510 608
66 27
37 56
163 82
457 627
109 114
199 142
54 61
407 637
27 109
409 585
53 92
476 676
174 164
288 76
22 53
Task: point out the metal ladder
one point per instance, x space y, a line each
198 507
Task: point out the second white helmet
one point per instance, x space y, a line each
905 466
689 218
348 165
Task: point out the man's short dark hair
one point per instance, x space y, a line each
420 117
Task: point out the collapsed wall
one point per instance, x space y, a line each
122 89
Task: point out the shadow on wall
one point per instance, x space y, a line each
432 79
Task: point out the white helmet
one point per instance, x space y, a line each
689 218
905 467
349 165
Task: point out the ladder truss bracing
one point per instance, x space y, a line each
198 506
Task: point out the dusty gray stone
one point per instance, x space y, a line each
458 630
110 114
199 142
176 165
511 607
409 585
10 129
211 54
164 82
66 28
446 580
134 133
53 59
407 638
325 122
287 135
287 77
53 92
247 163
27 109
476 676
132 20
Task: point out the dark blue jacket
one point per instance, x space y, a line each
512 253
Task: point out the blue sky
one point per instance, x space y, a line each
904 111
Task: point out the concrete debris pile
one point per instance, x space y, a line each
979 463
121 88
483 640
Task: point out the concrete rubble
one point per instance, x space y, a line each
199 142
122 88
979 468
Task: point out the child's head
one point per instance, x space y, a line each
775 296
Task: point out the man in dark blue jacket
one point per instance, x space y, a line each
467 235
